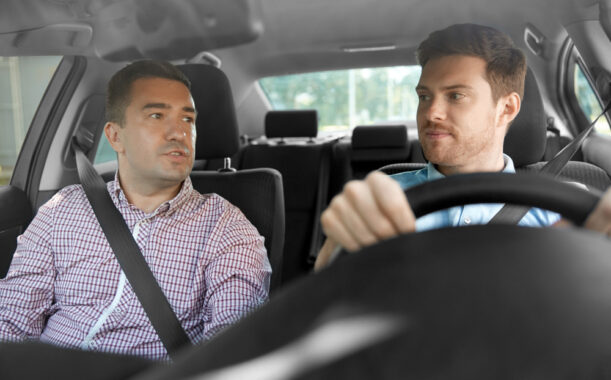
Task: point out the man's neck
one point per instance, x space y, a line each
486 166
148 198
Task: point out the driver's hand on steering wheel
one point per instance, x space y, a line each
364 213
600 219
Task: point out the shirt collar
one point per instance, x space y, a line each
433 173
172 205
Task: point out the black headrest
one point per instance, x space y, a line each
216 123
525 141
375 143
379 136
291 123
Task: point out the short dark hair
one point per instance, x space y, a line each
119 86
505 63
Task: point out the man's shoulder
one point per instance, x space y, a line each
67 195
67 203
208 202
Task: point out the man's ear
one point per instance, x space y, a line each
509 107
113 134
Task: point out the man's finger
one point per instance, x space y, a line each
334 229
362 199
392 202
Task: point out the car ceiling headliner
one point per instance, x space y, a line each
288 35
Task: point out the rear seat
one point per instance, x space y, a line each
292 149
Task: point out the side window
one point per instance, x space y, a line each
588 101
23 81
105 153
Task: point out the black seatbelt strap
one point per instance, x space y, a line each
130 258
512 214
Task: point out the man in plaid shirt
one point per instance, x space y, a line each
65 286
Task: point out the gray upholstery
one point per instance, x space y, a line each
590 175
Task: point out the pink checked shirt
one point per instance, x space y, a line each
65 286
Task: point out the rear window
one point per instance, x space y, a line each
347 98
23 81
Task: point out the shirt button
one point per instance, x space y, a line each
467 220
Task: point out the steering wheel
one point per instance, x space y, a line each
481 301
572 202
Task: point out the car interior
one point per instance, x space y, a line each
296 98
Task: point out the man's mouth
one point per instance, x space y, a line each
178 155
437 133
179 152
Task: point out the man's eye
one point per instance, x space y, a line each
155 115
456 96
188 119
423 97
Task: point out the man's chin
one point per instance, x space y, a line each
174 177
436 156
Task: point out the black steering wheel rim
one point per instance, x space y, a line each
528 189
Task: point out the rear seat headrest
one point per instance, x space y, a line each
380 136
303 123
379 143
216 122
526 139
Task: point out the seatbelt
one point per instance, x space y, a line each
128 254
512 214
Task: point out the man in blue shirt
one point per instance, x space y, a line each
469 92
468 214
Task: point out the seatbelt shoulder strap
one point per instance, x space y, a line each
129 256
512 214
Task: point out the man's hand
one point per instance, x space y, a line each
600 219
364 213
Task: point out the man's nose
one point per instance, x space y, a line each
436 109
178 129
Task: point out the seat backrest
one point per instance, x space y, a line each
554 144
526 141
304 166
257 193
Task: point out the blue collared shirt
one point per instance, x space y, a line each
467 214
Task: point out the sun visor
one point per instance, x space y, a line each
162 29
126 30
